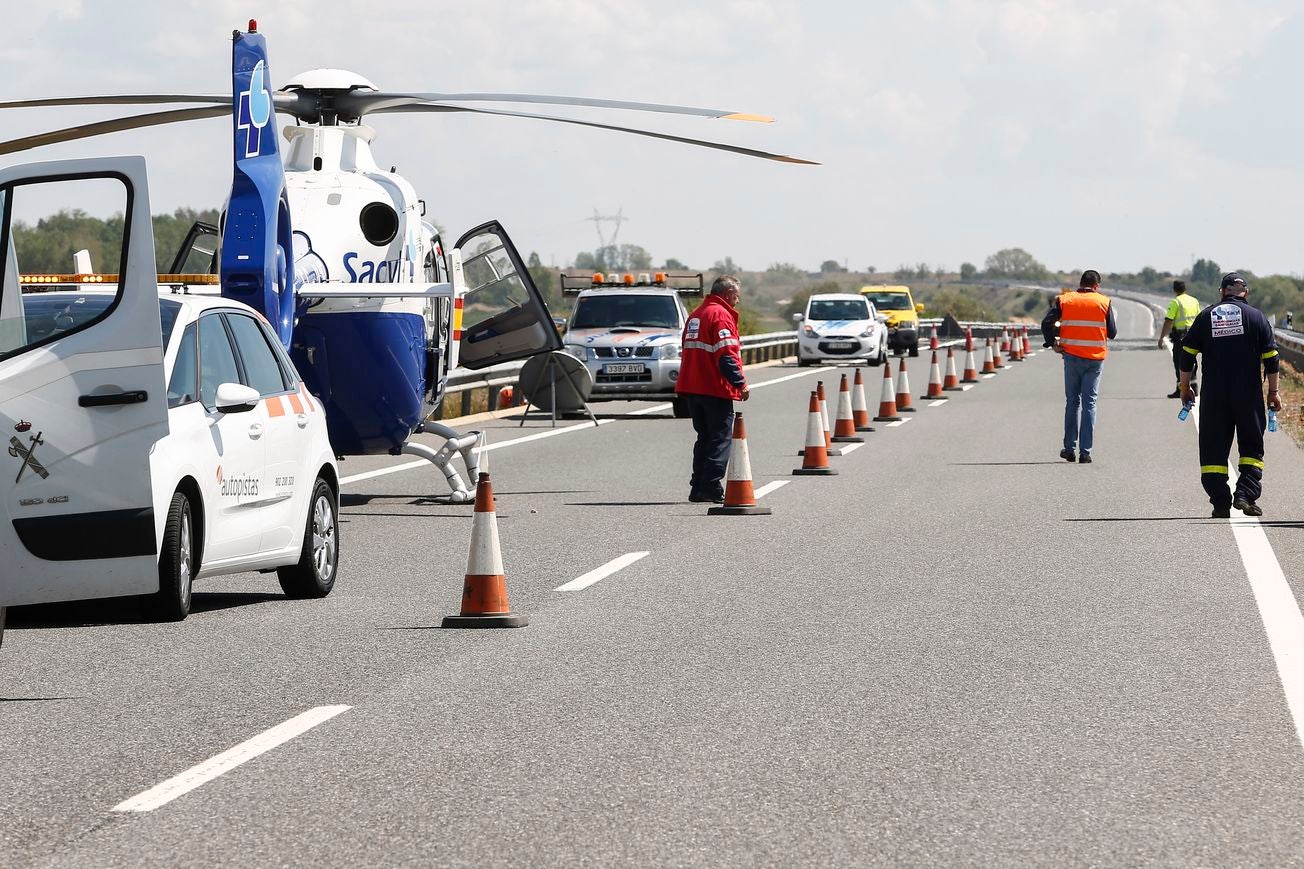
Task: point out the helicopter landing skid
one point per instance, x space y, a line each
454 442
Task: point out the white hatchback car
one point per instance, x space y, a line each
153 437
840 326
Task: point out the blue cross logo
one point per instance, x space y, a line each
255 111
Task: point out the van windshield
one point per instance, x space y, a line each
890 301
838 309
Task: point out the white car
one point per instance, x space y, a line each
840 326
154 437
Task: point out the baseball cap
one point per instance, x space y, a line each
1232 278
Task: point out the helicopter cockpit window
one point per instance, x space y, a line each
46 225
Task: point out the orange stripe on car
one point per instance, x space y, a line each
295 404
274 407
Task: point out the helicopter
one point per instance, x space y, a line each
337 254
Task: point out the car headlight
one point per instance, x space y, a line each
867 333
668 351
809 332
578 351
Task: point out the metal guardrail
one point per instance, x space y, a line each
460 389
1291 345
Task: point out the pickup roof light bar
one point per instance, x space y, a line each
77 280
687 283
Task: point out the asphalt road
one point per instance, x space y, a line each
959 651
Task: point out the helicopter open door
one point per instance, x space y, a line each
504 317
198 253
82 395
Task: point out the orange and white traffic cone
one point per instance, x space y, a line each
484 590
1027 343
989 362
859 407
933 343
844 428
1005 342
904 403
970 367
739 497
824 421
816 457
887 409
968 339
935 381
951 382
997 353
1014 348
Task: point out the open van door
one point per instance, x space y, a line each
504 317
82 396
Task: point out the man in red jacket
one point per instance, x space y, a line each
711 380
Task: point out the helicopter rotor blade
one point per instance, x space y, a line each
360 103
114 125
735 149
118 100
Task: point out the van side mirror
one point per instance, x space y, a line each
236 398
919 309
797 318
560 324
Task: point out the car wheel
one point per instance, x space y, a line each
314 573
803 362
914 349
680 406
176 564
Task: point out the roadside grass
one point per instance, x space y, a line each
1291 417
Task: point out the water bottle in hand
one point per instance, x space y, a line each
1272 420
1185 411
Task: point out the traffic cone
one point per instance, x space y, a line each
484 590
950 383
932 339
816 457
1027 343
824 421
935 381
1005 342
903 400
968 339
859 407
887 409
1014 348
970 367
997 361
739 499
989 363
844 429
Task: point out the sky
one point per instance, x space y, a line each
1108 135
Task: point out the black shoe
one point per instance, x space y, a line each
1246 506
706 498
1221 513
1176 393
1068 456
1084 458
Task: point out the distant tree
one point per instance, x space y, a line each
1206 271
959 304
830 266
1015 262
922 271
787 270
546 280
968 271
725 266
586 261
870 270
675 265
903 273
797 304
1148 277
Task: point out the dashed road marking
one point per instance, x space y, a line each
165 792
966 387
899 422
938 403
850 448
770 487
988 376
612 566
656 408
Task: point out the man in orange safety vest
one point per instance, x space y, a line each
1078 327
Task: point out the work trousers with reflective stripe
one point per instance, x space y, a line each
713 420
1220 421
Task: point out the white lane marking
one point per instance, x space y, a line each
988 376
1277 607
1282 620
602 572
789 377
938 403
770 487
847 449
966 387
899 422
421 463
166 792
656 408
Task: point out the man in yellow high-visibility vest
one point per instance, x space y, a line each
1181 313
